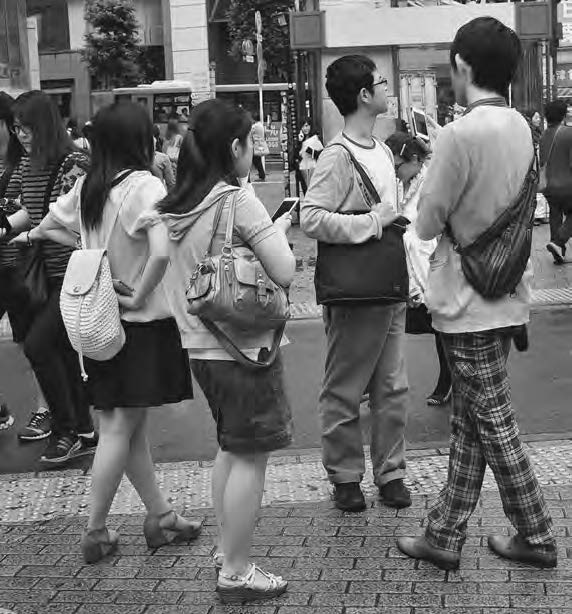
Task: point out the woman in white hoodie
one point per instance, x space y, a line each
252 414
116 204
410 155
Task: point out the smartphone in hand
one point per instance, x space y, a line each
288 205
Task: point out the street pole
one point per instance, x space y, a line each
259 52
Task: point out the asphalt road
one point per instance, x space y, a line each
542 387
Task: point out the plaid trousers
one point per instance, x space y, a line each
484 431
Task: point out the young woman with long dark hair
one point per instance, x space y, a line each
250 408
50 168
410 155
13 219
116 205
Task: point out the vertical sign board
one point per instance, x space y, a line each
14 72
284 140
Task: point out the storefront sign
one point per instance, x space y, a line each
564 75
273 137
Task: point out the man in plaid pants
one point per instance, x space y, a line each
479 166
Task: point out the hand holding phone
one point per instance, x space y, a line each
288 205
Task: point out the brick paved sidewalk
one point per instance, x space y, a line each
336 563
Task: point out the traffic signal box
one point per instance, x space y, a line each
539 21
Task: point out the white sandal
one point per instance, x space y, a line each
243 588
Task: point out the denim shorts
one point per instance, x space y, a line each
250 408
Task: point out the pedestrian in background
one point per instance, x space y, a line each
163 169
556 156
250 407
50 169
159 141
260 147
172 142
13 219
77 136
366 341
480 164
309 148
410 155
116 207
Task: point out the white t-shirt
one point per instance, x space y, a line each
378 163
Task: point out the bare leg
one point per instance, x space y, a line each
141 472
113 450
242 500
220 476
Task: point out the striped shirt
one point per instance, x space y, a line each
9 253
34 185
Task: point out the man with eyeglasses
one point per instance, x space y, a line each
366 340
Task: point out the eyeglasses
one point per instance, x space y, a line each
380 82
20 130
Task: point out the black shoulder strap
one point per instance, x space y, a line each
51 184
5 179
362 173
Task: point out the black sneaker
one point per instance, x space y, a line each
60 449
38 428
6 418
395 494
349 497
85 446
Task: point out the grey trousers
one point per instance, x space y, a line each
365 350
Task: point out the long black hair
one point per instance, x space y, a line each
121 139
206 156
50 141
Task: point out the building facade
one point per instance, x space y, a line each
19 70
410 41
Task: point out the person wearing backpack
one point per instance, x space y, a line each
208 213
362 281
483 164
116 207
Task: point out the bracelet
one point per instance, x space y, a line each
28 238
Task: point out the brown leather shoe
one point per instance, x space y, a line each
516 549
420 548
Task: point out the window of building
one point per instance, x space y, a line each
53 24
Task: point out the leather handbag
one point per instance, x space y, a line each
33 268
233 288
371 272
543 174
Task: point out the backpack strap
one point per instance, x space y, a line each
83 234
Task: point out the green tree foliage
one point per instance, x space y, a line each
112 49
276 38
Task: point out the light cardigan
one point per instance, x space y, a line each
477 169
418 251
